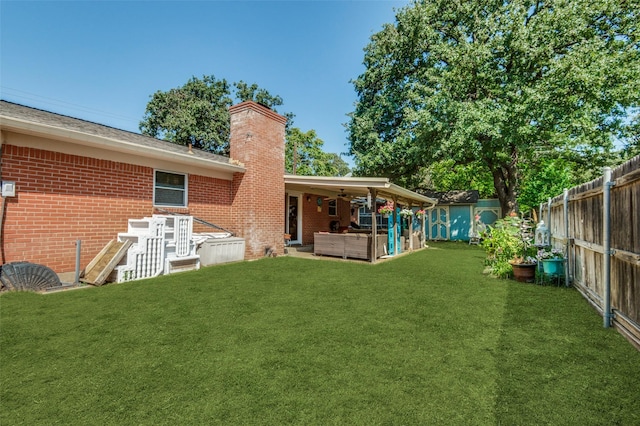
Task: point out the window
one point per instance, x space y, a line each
364 216
170 189
333 208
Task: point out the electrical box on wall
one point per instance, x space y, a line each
8 189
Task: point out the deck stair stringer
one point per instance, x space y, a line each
104 263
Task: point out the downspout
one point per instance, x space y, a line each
606 234
3 261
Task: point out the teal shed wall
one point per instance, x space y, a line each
461 218
459 222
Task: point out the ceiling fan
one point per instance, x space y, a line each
341 194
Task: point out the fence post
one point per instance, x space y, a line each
540 212
606 235
565 208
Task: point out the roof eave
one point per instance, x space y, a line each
87 139
409 196
381 185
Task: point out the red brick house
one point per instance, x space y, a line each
77 180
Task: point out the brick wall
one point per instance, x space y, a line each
210 200
62 198
257 141
316 221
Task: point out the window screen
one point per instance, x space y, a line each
170 189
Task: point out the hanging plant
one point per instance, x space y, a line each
406 212
387 208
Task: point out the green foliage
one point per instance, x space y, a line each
496 82
196 113
632 139
246 92
543 179
446 175
508 240
304 156
340 167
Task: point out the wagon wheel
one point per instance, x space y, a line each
28 276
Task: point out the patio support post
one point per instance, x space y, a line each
423 221
396 246
423 238
374 226
410 221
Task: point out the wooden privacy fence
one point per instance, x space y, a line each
597 224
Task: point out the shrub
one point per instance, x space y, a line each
508 241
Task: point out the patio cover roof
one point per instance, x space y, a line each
356 187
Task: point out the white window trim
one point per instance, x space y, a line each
329 207
186 189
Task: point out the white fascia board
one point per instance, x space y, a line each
129 148
382 185
406 194
337 182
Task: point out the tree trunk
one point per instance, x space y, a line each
505 181
506 195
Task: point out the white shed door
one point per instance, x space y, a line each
439 223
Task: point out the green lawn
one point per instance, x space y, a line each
422 339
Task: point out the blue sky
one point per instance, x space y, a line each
102 60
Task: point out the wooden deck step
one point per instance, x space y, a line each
101 266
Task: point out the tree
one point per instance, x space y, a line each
446 175
495 82
543 179
196 113
340 167
632 132
245 92
304 155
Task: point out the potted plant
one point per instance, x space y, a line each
421 213
509 249
552 260
386 209
406 212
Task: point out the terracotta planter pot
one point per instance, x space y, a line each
524 272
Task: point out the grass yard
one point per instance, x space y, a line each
422 339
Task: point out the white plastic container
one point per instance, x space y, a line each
214 251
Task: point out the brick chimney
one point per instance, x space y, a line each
257 141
